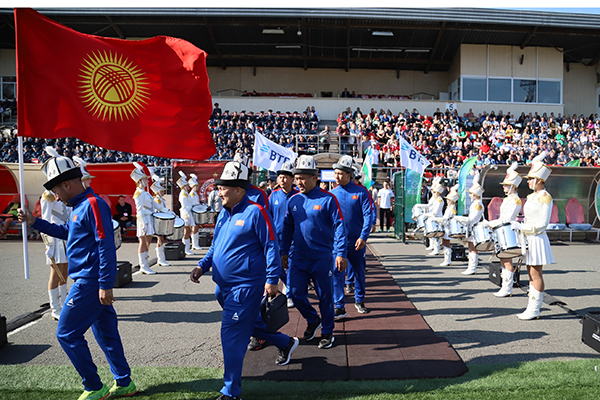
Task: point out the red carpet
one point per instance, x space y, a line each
392 341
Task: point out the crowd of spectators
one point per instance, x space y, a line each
447 139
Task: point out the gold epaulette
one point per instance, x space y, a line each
137 193
48 196
157 200
440 200
454 211
518 201
478 207
545 198
184 193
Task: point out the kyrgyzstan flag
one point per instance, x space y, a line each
149 96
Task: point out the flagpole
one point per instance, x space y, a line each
23 206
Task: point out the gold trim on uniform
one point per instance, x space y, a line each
545 198
518 201
48 196
454 211
440 200
478 207
137 193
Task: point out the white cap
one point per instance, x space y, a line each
241 158
82 164
476 188
306 165
234 174
138 173
453 194
157 185
512 176
59 169
193 181
539 170
344 163
287 168
181 182
436 185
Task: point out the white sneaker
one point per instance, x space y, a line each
290 303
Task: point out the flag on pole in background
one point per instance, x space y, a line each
367 169
149 96
411 158
270 155
464 171
574 163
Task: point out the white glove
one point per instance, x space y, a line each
50 251
516 226
429 215
485 223
446 219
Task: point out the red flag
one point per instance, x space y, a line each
149 96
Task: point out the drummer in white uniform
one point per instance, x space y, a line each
195 200
435 210
144 206
511 205
452 197
86 178
537 211
475 215
160 205
185 212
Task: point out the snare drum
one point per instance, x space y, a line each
433 229
417 212
508 243
163 223
117 232
482 238
201 214
456 229
178 226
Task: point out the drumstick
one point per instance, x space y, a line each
57 270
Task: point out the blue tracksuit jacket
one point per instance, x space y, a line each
278 201
244 251
314 226
90 239
356 207
258 195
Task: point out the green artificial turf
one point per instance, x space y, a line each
532 380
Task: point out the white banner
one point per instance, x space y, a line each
411 158
270 155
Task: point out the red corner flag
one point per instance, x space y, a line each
149 97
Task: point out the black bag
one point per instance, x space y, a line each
274 312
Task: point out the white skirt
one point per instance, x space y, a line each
187 218
147 228
60 251
539 251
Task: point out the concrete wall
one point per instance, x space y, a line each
579 89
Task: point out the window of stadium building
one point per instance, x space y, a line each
524 90
499 89
474 89
8 87
549 92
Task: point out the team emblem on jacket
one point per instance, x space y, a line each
317 207
239 222
354 197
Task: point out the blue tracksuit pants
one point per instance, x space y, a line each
358 261
300 273
81 311
349 274
280 340
241 305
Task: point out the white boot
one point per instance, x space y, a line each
507 284
55 307
160 255
188 247
144 265
62 291
436 247
447 257
472 266
535 304
430 247
195 243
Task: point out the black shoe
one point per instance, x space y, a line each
225 397
360 307
349 289
310 286
326 341
340 313
311 330
256 344
285 354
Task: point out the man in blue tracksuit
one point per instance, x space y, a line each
244 256
254 193
356 207
93 268
313 233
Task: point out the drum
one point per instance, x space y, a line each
117 231
433 229
421 221
163 223
201 214
417 211
482 237
508 242
177 229
456 229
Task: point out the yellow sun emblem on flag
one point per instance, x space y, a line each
111 87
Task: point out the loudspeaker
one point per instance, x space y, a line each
204 239
458 253
495 271
123 274
174 251
591 330
3 338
